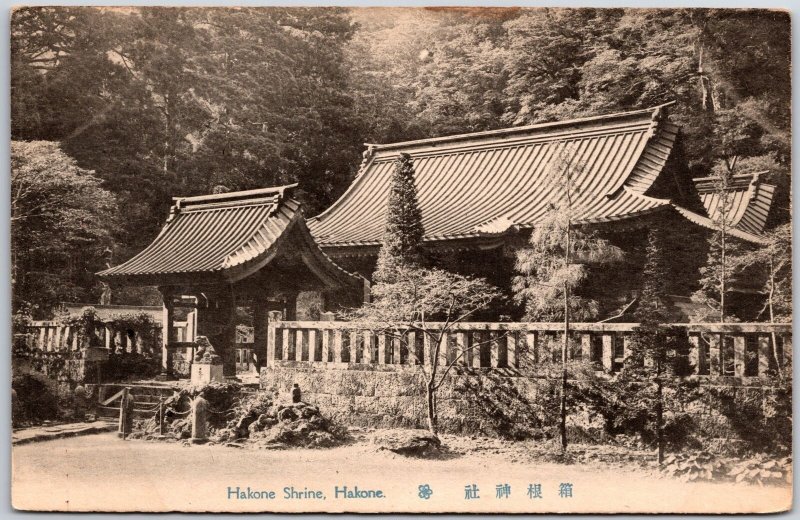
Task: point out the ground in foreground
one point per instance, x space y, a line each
103 473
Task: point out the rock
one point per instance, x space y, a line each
233 445
308 412
413 443
287 414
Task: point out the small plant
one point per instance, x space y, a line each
763 470
690 467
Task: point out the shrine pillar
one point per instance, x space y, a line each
167 332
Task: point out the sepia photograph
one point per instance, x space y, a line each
401 259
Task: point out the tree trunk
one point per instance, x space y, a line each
770 299
660 417
431 395
564 348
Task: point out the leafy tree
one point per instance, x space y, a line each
772 264
431 303
402 239
555 263
657 353
718 274
61 220
174 101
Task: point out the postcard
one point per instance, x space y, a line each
401 260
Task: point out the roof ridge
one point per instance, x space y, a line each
244 195
654 111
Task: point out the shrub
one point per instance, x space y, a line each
37 399
763 470
694 466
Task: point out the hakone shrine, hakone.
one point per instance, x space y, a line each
479 194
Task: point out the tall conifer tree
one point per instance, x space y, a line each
402 240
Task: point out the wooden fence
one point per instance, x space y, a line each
735 349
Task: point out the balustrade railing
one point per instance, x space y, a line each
54 336
729 349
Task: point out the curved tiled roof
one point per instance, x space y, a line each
225 237
481 184
750 201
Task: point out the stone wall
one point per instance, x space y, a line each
498 402
471 401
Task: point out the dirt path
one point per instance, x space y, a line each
100 472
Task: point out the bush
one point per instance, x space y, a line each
694 466
37 399
763 470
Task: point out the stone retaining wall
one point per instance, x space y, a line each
505 403
472 401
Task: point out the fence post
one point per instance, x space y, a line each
337 346
366 355
354 346
475 348
764 354
714 351
285 349
511 348
586 347
298 344
461 347
325 346
532 345
381 348
494 349
312 344
608 352
739 356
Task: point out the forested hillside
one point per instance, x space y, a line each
160 102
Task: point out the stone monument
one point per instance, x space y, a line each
206 365
199 420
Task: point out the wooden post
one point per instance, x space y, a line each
261 337
586 347
366 356
396 344
608 352
298 344
426 350
738 356
325 344
764 354
381 348
511 348
477 339
312 344
494 347
532 344
167 333
42 332
461 346
715 351
285 350
443 348
337 346
354 346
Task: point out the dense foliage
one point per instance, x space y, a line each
62 220
402 238
160 102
